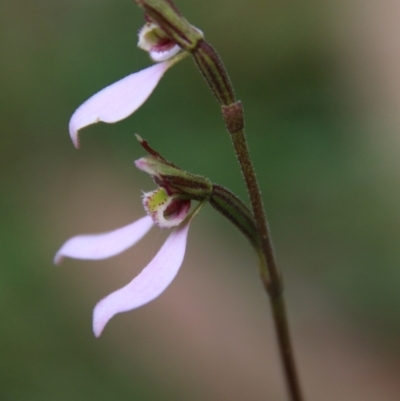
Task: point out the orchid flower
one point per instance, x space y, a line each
166 212
167 207
122 98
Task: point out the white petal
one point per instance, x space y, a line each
117 101
149 284
101 246
164 55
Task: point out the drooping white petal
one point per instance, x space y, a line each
148 285
101 246
162 55
117 101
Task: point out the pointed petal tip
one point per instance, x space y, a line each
76 123
98 325
140 163
58 258
139 138
75 139
73 133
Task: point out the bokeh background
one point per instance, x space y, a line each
321 89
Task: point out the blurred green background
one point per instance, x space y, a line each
321 94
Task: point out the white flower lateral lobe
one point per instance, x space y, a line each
153 40
163 55
165 210
117 101
148 285
106 245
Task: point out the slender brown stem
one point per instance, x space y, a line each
242 152
270 274
285 347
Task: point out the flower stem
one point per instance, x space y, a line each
270 274
285 347
269 271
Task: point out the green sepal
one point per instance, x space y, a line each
171 177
